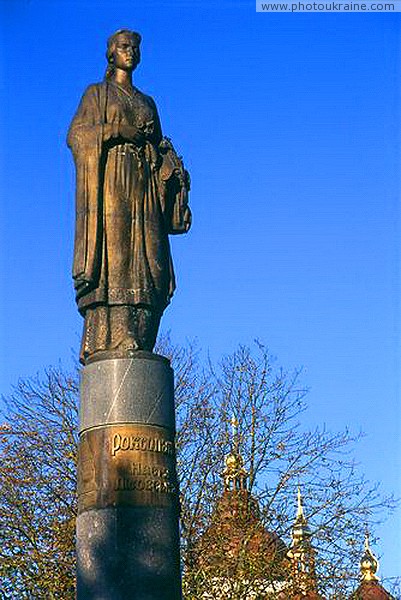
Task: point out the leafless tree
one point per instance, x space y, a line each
38 440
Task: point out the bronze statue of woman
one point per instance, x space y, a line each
131 192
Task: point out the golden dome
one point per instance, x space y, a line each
234 474
233 462
369 563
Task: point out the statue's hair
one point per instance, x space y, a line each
111 42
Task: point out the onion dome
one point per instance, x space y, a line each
370 588
234 474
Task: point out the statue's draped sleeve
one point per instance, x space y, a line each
85 138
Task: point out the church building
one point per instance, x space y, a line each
238 558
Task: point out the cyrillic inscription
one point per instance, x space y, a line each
150 485
127 465
125 442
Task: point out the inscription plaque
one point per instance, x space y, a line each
126 465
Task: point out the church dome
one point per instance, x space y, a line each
370 588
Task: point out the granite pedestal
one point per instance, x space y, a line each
128 508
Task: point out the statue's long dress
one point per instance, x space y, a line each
131 264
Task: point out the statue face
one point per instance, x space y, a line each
126 54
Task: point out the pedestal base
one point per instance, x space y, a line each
128 554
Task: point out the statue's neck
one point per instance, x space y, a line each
123 78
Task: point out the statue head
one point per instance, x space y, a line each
119 38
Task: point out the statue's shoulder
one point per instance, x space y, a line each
95 91
148 99
97 86
90 108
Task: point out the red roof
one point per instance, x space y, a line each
237 535
371 590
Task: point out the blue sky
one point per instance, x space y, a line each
290 127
